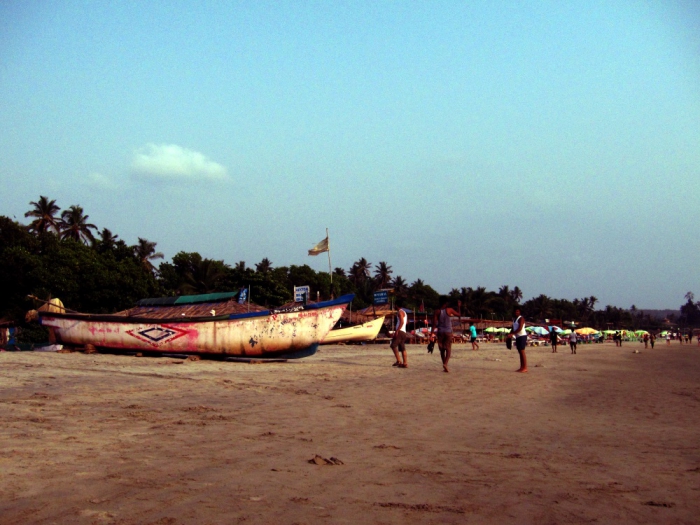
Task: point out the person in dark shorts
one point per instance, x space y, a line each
398 342
554 339
573 339
442 323
473 336
518 332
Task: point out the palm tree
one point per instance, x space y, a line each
240 267
264 266
507 297
517 294
400 287
44 215
481 302
74 225
359 272
107 240
592 300
541 306
203 277
340 272
382 275
145 252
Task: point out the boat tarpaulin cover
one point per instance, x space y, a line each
187 299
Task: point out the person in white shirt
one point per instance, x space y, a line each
398 342
518 331
573 339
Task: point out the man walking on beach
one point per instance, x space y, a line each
398 342
472 333
518 331
554 339
573 339
442 323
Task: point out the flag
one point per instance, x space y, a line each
422 306
320 247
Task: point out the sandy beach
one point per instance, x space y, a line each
605 436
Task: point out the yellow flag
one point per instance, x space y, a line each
320 247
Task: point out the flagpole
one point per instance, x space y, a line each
329 260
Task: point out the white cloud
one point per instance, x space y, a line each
171 162
99 180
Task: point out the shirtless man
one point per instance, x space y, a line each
442 324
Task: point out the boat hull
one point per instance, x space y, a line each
363 332
271 333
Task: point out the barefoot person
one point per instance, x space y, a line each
554 339
398 342
442 323
472 333
518 332
573 339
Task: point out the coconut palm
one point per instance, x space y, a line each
506 295
480 303
264 266
400 287
541 306
44 215
382 275
517 294
359 273
74 225
145 252
107 240
203 277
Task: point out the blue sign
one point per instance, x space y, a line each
381 297
243 296
300 292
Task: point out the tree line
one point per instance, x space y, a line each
61 254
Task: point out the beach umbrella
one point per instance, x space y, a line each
565 332
537 330
663 334
556 329
609 331
491 330
586 331
641 332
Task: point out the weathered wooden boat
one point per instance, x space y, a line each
362 332
212 324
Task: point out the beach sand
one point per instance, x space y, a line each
606 436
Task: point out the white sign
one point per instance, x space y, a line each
300 291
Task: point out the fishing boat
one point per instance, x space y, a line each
213 324
362 332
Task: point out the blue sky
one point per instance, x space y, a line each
553 146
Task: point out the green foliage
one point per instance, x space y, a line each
49 258
84 278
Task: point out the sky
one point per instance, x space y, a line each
553 146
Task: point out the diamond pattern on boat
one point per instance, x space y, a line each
156 335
